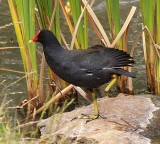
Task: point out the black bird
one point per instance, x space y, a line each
88 68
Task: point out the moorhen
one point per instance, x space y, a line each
88 68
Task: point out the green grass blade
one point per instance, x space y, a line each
151 19
23 11
85 29
158 42
76 12
113 13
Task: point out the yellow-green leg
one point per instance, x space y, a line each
96 111
112 82
94 96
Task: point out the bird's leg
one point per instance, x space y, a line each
96 111
111 83
95 104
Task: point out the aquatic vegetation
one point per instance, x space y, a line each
151 40
46 14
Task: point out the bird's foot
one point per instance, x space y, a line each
90 117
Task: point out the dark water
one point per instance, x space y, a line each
11 59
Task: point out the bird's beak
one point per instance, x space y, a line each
30 41
35 38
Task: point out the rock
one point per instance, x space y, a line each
127 119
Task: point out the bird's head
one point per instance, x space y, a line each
44 36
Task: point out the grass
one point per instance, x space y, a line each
22 13
150 16
7 132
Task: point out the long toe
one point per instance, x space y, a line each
91 117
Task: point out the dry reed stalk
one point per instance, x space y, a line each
3 48
51 101
125 25
76 28
69 22
90 11
10 70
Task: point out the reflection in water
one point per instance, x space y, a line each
11 58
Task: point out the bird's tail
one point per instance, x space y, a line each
122 59
120 71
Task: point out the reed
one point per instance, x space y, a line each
22 13
48 16
151 18
82 32
113 13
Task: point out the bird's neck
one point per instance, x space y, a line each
53 45
53 50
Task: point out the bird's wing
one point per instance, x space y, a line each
99 57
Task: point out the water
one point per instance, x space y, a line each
11 58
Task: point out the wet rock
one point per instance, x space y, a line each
153 129
128 117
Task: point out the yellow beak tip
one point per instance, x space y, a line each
30 41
